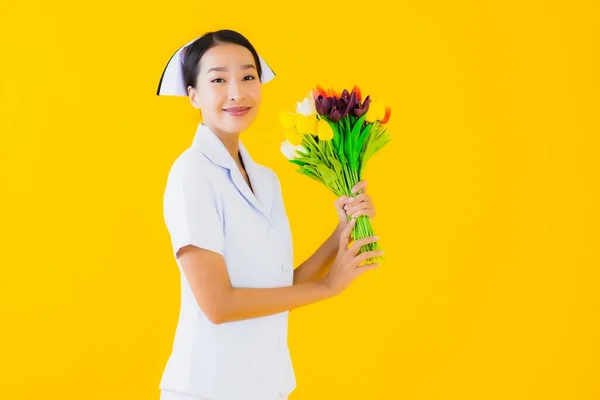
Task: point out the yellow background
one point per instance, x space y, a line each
487 197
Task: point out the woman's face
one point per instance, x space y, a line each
228 89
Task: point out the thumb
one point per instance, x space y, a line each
345 235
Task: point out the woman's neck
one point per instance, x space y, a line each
230 141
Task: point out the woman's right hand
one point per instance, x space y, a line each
346 266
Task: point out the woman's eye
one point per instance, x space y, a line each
217 80
251 77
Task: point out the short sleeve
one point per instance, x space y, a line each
191 210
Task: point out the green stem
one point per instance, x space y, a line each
365 229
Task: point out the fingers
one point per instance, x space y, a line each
339 203
366 255
369 212
362 185
361 242
352 208
352 201
361 202
366 267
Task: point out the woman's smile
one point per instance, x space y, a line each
237 111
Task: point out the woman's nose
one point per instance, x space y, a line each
235 92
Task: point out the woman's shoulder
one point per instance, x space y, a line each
189 161
189 168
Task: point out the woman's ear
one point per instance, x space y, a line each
193 97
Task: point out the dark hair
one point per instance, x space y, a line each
197 49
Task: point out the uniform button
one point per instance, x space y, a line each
278 342
283 266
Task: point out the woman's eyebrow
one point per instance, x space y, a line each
224 69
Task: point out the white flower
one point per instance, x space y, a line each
306 107
290 151
302 150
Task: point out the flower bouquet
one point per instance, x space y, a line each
330 137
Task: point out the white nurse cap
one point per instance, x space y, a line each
172 82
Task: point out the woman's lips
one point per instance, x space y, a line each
237 111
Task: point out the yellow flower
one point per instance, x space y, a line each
376 112
306 124
293 136
287 119
324 130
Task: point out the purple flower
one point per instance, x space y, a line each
360 109
350 103
337 110
323 105
337 107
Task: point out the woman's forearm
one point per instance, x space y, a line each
317 265
246 303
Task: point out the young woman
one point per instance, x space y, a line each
231 237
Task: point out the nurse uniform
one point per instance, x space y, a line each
208 204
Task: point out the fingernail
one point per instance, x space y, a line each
353 190
351 199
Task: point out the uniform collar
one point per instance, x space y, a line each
211 146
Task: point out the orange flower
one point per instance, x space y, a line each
388 112
358 94
319 91
331 92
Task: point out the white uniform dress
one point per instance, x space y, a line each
207 203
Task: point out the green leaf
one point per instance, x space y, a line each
323 148
297 162
378 138
337 167
303 153
334 163
337 136
328 175
311 175
354 149
360 144
360 147
311 160
348 144
311 168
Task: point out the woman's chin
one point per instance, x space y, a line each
238 123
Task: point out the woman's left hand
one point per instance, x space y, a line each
354 206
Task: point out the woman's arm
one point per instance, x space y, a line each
207 275
208 278
317 265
